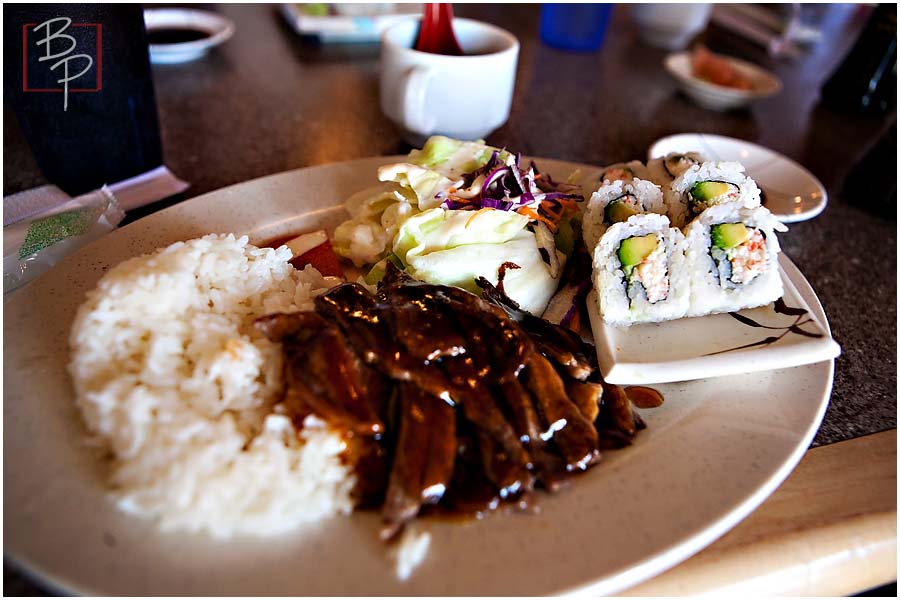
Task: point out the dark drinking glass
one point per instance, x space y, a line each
78 77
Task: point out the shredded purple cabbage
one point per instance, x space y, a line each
510 187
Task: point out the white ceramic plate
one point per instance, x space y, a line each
759 339
216 27
710 455
718 97
790 191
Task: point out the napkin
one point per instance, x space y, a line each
43 225
131 193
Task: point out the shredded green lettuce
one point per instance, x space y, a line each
437 150
403 220
438 166
424 183
437 229
530 285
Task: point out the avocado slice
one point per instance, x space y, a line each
635 249
619 210
705 191
729 235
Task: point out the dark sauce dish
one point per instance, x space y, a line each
179 35
175 35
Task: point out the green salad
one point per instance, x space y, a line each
456 210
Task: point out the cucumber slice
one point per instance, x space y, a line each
618 211
729 235
703 192
635 249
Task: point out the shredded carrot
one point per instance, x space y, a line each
535 216
551 209
475 214
552 214
568 203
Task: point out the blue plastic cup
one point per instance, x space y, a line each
574 26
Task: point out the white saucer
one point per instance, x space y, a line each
790 191
719 97
217 28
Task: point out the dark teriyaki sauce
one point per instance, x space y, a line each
175 35
644 397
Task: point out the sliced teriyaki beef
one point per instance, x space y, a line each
617 422
585 395
370 327
447 400
561 345
323 373
356 312
510 478
566 426
470 491
495 345
548 467
423 457
442 446
481 410
427 335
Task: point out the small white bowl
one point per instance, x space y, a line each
217 28
718 97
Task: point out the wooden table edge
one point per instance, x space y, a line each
829 529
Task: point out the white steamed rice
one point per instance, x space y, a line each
171 376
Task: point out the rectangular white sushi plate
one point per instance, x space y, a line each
715 345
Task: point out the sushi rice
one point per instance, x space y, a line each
663 291
664 169
640 195
624 171
681 207
738 278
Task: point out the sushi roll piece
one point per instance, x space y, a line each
732 255
615 202
624 171
710 184
640 273
665 169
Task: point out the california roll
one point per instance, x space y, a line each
624 171
710 184
639 272
732 254
615 202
